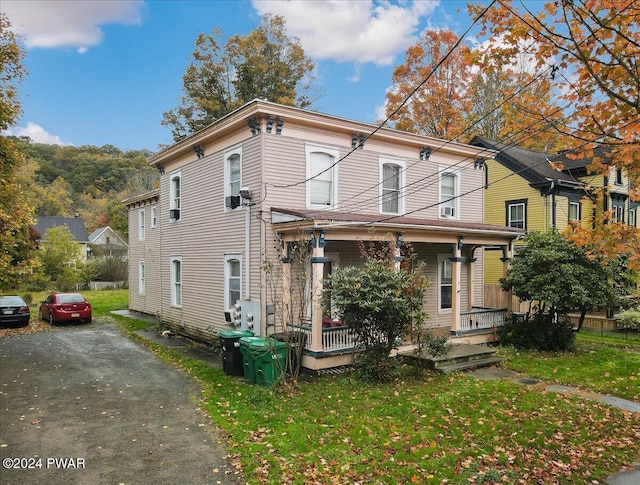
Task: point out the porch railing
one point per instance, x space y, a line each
480 318
333 338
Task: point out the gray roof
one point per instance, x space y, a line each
75 225
534 166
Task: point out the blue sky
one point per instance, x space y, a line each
103 71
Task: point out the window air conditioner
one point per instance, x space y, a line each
232 201
174 214
230 316
446 211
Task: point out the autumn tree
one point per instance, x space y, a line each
434 81
16 241
591 50
265 64
60 257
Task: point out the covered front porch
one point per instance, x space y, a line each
454 248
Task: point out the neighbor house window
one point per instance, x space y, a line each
141 277
632 217
618 211
322 174
618 176
141 230
233 173
574 211
445 282
176 281
175 196
517 213
154 216
391 183
232 279
448 195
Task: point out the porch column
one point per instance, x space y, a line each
507 253
456 263
471 278
287 315
317 274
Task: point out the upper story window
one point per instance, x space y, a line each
322 175
176 281
233 177
141 226
574 211
449 195
618 179
175 196
154 216
516 213
391 184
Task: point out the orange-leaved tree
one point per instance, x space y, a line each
592 49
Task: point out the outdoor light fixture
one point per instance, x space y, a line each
245 193
425 153
198 149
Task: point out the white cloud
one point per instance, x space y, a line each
68 23
37 134
352 31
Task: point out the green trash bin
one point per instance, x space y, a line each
231 356
270 365
250 347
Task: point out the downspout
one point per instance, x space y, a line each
553 203
247 247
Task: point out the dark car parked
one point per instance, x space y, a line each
14 311
65 307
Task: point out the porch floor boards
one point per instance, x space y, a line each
460 357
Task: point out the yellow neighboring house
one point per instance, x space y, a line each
524 190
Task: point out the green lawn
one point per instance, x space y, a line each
426 427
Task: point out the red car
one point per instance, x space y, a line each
65 307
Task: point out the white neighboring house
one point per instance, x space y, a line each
108 244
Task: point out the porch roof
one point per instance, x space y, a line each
346 225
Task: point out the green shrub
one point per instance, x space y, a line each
376 366
629 321
541 332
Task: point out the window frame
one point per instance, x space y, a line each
154 216
509 204
618 177
453 200
444 260
578 206
141 225
230 156
177 287
142 276
333 171
228 258
399 190
632 217
175 201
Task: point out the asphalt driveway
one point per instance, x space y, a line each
86 405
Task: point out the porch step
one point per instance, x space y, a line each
459 357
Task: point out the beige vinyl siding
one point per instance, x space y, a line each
147 251
205 233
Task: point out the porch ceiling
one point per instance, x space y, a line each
294 223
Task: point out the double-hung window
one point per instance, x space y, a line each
141 277
632 217
574 211
233 177
448 195
618 211
391 184
516 213
445 283
322 175
232 279
176 281
154 216
141 225
175 196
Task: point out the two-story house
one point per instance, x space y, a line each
216 245
74 224
107 243
534 190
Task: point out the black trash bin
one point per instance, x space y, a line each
231 355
